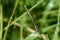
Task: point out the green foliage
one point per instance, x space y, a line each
1 21
15 23
32 36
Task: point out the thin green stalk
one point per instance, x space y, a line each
26 12
46 13
8 25
1 22
48 8
14 32
43 30
21 29
55 37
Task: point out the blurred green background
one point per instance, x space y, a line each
45 15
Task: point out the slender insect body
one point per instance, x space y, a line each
35 26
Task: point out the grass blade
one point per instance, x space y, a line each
15 34
55 37
47 38
8 25
1 21
26 12
21 29
32 36
48 28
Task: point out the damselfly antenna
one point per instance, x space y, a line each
36 27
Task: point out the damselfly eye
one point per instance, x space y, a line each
36 28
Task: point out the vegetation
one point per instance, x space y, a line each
29 19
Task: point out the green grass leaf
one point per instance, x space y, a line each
8 25
26 12
48 28
15 34
47 38
55 37
32 36
1 21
